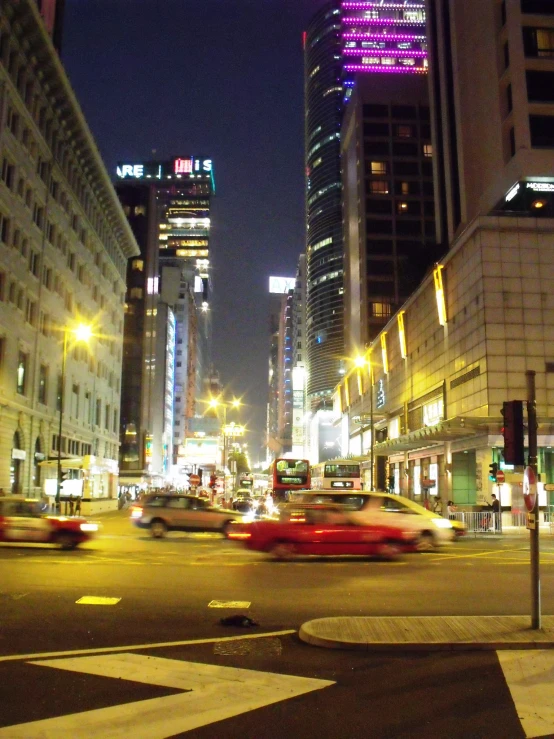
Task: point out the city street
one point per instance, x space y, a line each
163 594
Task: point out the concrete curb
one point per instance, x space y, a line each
426 634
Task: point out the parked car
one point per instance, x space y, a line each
322 530
376 507
22 520
163 512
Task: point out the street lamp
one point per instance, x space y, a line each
216 403
82 332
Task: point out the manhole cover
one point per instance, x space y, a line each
269 647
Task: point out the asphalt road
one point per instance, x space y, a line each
162 591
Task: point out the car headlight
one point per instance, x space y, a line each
89 527
442 523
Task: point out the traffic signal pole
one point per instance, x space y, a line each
534 531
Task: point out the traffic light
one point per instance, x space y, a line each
512 410
493 469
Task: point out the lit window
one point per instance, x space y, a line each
405 188
427 150
381 310
378 168
404 131
379 187
402 207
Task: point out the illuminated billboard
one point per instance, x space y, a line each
281 285
178 167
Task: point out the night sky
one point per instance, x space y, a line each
215 78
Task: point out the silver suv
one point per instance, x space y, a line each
163 512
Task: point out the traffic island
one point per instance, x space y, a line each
428 633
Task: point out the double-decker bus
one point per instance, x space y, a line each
289 474
246 481
337 474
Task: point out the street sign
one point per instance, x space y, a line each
529 488
531 522
549 487
500 476
194 480
428 483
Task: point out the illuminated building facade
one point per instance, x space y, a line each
279 404
387 36
52 12
64 248
176 238
460 346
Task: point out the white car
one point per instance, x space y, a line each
368 507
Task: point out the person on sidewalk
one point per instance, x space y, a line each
451 509
437 506
495 508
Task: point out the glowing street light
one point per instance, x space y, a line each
82 333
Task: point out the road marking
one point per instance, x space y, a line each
96 600
214 693
229 604
444 556
136 647
530 677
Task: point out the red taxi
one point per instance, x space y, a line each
23 521
322 531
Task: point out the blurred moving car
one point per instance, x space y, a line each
375 507
163 512
322 530
22 520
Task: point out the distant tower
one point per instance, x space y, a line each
324 243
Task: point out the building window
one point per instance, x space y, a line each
4 229
506 55
427 150
537 7
404 131
107 419
22 365
43 384
538 42
542 131
34 261
8 173
381 310
402 207
75 401
98 412
540 86
379 187
378 168
509 100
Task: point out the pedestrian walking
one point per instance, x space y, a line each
78 506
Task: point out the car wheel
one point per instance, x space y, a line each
158 529
388 550
66 541
282 550
225 528
425 542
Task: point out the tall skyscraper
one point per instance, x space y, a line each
324 243
387 163
493 130
174 198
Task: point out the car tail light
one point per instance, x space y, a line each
238 534
136 512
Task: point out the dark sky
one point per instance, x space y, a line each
217 78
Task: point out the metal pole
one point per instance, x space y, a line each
62 385
371 453
224 455
534 532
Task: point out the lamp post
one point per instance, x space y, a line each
216 403
81 332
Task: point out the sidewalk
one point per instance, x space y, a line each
428 633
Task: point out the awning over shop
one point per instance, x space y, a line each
451 430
